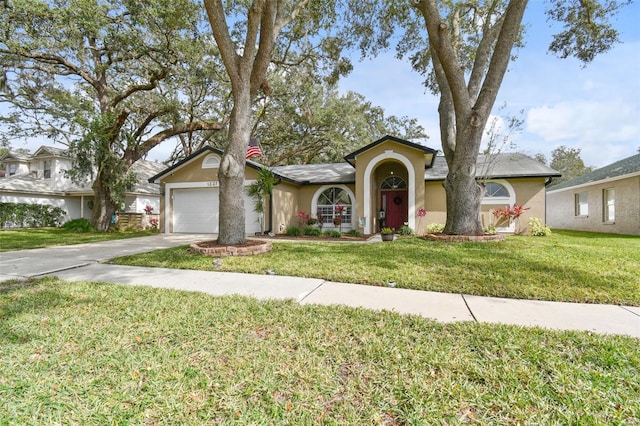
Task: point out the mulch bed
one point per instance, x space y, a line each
316 238
465 238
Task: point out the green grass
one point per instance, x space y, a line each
566 266
22 239
91 353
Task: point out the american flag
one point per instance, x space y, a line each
253 150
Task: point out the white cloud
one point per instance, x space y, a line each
585 121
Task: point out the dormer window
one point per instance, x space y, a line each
13 169
211 161
47 169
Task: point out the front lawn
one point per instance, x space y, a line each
566 266
89 353
22 239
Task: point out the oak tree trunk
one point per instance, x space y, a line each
231 172
103 206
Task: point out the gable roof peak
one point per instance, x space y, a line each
426 150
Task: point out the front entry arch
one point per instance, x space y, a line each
410 205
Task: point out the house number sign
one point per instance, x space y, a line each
213 183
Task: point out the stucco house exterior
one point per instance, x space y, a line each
384 183
40 179
605 200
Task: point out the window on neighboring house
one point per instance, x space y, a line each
13 169
329 200
47 169
582 204
609 204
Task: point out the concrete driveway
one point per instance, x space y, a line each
36 262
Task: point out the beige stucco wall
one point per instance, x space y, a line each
381 170
561 207
285 206
529 192
192 172
289 199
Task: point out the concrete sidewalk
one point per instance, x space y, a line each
82 262
442 307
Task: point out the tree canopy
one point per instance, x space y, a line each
104 78
463 49
568 162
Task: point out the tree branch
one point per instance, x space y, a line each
155 140
152 84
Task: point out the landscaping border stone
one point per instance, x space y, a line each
250 248
465 238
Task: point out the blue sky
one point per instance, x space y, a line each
595 109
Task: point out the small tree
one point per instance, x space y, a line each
568 162
260 190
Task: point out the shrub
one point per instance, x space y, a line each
333 233
490 230
78 225
405 230
293 231
355 233
537 229
312 231
21 215
435 228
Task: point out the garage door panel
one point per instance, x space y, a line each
196 210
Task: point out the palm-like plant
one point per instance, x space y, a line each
260 190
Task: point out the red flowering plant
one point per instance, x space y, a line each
148 209
302 218
421 213
511 214
337 220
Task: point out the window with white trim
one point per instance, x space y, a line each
393 182
13 169
581 204
47 169
498 193
494 189
211 161
328 203
609 204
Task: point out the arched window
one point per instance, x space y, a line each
211 161
393 182
494 189
499 192
328 202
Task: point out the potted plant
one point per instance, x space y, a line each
386 234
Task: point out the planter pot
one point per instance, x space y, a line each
387 237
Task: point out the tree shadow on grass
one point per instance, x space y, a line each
18 297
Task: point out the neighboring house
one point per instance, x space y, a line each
605 200
40 179
390 178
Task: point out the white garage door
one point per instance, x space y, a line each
195 210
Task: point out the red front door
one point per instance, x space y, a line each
395 205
